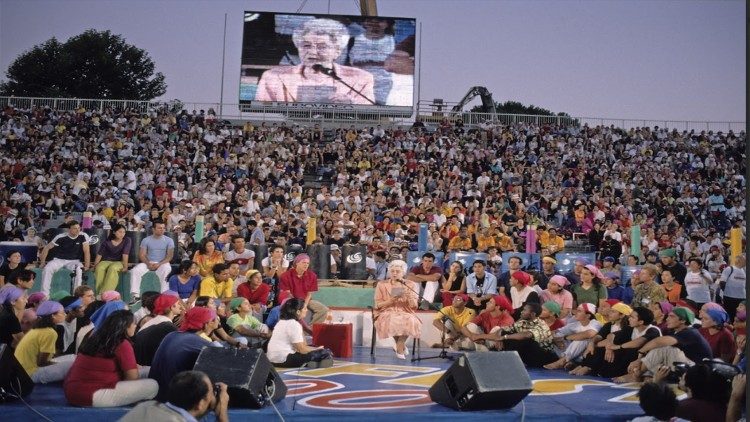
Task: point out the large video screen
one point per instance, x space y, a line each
327 60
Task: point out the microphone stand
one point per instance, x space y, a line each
330 72
443 353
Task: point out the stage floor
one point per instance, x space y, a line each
365 388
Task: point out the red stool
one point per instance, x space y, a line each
337 337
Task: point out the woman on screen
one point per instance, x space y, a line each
318 79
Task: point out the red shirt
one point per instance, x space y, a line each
488 322
298 286
260 295
419 270
91 373
722 343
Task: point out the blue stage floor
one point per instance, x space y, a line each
384 388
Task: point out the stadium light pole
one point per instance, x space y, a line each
223 57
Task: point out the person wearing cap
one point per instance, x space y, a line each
590 289
668 259
479 333
521 291
301 282
557 293
551 315
68 329
530 337
428 275
335 259
155 254
572 339
732 285
218 285
614 289
647 291
714 330
396 301
615 331
451 319
256 292
684 344
548 271
180 349
167 309
481 285
12 305
698 282
105 372
243 324
36 350
71 251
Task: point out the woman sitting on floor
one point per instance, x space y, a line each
395 306
287 347
105 373
12 304
36 350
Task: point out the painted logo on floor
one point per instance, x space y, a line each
320 388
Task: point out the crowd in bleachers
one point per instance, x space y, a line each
478 189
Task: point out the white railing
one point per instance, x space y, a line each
427 112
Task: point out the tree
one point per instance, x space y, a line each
94 64
514 107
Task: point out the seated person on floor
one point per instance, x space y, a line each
68 329
105 372
551 316
190 393
572 339
614 332
614 290
220 334
244 326
556 292
256 292
450 320
218 285
713 320
658 402
530 337
521 291
147 340
478 334
480 286
684 344
180 349
287 347
429 274
36 351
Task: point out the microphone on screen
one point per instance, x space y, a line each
332 73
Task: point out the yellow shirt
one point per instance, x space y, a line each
485 242
34 343
459 244
461 319
211 288
206 263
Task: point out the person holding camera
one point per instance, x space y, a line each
191 396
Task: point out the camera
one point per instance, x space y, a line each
217 390
678 370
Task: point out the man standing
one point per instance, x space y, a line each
300 282
155 255
480 286
71 248
428 274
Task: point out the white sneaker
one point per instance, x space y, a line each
401 356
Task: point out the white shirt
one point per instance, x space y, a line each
286 333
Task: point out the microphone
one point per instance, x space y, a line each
325 70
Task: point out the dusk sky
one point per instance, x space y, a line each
671 60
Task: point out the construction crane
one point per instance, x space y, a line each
487 103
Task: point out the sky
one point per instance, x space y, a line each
660 60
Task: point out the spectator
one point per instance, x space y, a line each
12 305
479 333
36 349
206 257
256 292
480 286
287 347
300 282
155 255
454 283
71 252
572 339
112 259
218 285
530 337
450 321
426 274
11 266
186 282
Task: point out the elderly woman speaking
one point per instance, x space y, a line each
395 304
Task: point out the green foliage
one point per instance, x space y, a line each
514 107
94 64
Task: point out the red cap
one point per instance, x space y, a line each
522 277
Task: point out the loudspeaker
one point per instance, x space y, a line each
353 262
251 378
481 381
14 381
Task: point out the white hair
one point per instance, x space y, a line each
335 30
398 263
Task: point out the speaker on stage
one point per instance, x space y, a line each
481 381
14 381
251 379
353 262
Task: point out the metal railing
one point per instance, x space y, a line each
426 111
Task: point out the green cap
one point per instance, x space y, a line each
56 296
553 307
668 252
684 314
235 303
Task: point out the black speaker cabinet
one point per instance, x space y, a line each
14 381
481 381
251 378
